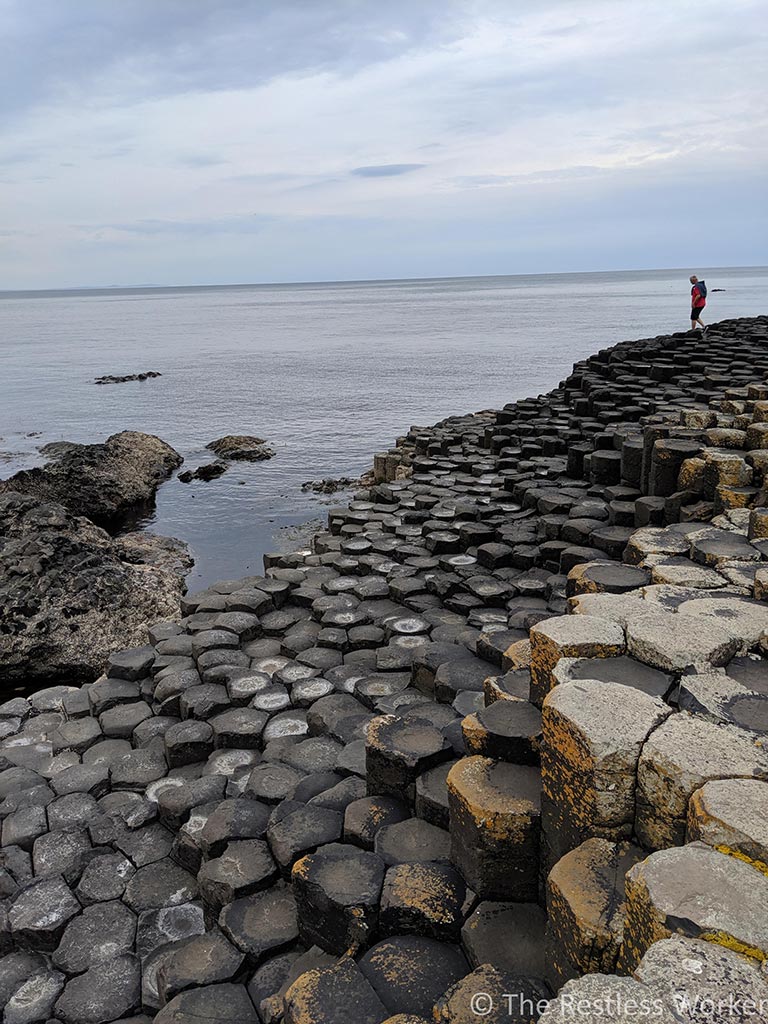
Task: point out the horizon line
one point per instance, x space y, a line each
348 281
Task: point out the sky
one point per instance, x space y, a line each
226 141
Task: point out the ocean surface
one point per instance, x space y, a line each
327 373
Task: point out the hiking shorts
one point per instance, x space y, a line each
696 312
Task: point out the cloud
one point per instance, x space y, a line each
227 140
385 170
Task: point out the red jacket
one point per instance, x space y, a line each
697 299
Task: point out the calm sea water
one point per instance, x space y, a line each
327 373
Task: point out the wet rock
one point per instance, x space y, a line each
125 378
509 936
364 818
431 802
208 471
158 928
398 751
160 884
301 831
215 1004
506 730
412 841
233 819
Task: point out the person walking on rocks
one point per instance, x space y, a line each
698 301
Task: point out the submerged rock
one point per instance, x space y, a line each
112 379
241 447
68 597
209 471
105 482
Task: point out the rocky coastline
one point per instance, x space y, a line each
497 742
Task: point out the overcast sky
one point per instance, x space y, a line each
215 141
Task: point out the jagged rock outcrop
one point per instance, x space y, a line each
68 594
105 482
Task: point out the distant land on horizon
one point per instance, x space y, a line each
362 281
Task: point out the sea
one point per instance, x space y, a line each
327 373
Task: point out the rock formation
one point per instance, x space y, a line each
241 447
500 737
70 594
105 482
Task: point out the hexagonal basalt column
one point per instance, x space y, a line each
732 816
694 890
337 893
508 730
585 907
495 823
678 758
569 636
593 733
673 642
399 750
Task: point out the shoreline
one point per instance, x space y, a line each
417 760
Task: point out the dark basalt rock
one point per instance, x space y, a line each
262 924
423 899
241 447
207 775
111 379
201 960
104 482
337 893
410 973
62 580
40 913
335 995
209 471
215 1004
104 993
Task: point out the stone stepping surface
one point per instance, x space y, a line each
475 739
